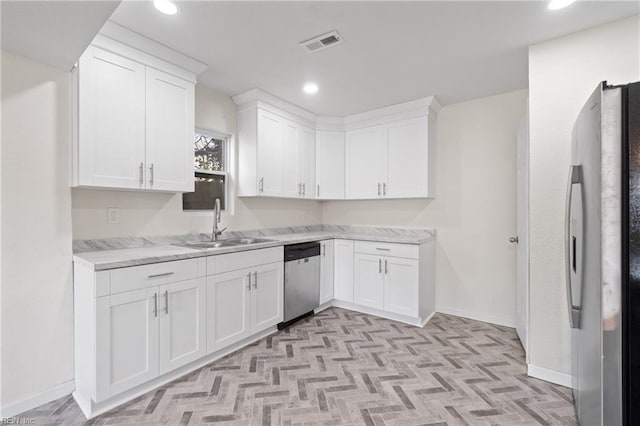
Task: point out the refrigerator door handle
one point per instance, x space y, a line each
575 178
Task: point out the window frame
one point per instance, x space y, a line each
229 161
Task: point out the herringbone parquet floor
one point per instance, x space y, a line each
345 368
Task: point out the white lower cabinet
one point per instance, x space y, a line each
246 300
400 286
343 270
144 333
326 271
228 304
368 280
126 341
183 316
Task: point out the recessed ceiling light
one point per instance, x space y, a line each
559 4
310 88
166 7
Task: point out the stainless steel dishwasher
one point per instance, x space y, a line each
301 281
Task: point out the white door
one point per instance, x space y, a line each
365 161
127 341
111 129
267 287
292 184
401 286
343 270
330 165
326 271
170 125
407 171
307 161
522 225
270 154
183 319
228 309
368 280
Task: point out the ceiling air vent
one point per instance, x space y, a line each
321 42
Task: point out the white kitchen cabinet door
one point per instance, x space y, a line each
307 161
170 123
292 183
126 341
343 270
368 280
326 271
228 309
183 319
270 154
330 151
365 162
111 128
401 286
267 287
407 164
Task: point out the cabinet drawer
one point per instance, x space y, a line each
244 259
138 277
409 251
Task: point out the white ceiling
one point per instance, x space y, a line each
52 32
393 51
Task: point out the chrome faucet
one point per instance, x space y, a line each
216 221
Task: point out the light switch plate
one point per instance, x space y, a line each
113 215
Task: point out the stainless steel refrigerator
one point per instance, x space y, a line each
602 239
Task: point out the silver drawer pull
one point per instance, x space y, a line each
166 302
379 266
255 280
386 266
249 278
383 249
166 274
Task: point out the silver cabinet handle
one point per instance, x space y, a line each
378 189
299 189
514 239
151 175
155 305
141 174
304 189
261 185
166 274
249 278
379 266
166 302
383 249
386 266
570 245
318 191
255 280
384 188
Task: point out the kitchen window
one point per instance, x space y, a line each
211 172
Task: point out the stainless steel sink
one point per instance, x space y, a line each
244 241
224 243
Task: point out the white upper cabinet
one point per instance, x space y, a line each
111 126
365 161
270 159
407 173
133 115
330 166
384 153
170 132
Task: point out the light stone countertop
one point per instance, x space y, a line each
106 254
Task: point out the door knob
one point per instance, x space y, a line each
514 240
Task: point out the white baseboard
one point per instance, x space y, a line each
15 408
548 375
478 317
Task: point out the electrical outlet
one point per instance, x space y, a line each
113 215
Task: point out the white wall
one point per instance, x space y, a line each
473 212
149 214
562 74
37 311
